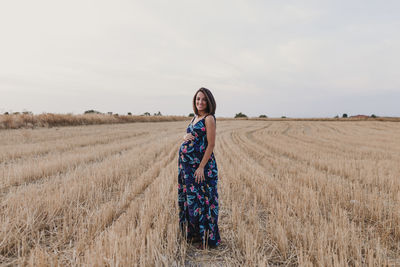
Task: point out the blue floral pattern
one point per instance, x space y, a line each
198 202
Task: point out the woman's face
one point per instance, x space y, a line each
201 102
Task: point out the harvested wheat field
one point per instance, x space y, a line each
291 193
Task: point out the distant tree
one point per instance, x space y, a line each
344 115
16 113
283 117
91 111
129 113
157 114
27 112
240 115
116 115
191 115
6 113
146 114
263 116
336 117
373 116
109 113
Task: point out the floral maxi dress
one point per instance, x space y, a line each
198 202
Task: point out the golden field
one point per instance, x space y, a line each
31 121
322 193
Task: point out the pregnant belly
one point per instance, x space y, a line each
197 146
189 153
187 147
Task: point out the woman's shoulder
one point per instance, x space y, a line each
209 117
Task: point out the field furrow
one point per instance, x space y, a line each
13 153
382 217
290 193
36 168
96 186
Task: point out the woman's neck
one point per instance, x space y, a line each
202 114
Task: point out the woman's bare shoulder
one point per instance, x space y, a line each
210 120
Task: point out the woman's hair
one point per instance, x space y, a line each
211 105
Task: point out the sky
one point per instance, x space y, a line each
276 58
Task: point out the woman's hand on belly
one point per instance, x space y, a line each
188 137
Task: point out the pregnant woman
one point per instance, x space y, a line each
198 175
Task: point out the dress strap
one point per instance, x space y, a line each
193 119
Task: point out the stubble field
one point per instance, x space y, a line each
291 193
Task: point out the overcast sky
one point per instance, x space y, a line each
292 58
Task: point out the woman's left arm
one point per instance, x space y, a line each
211 132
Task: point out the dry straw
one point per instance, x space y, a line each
15 121
305 193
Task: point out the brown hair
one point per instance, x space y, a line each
211 105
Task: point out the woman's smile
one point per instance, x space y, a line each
201 101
